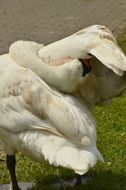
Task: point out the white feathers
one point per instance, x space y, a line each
109 53
65 77
44 123
96 40
59 152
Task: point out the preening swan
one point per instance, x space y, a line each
49 125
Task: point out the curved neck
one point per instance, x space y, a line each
48 73
63 77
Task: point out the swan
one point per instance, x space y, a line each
29 106
43 123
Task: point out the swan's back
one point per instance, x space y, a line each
43 123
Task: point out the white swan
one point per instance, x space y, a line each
29 107
43 123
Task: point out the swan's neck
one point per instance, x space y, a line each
44 71
63 77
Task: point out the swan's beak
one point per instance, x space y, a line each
86 66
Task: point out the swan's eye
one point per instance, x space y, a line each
86 66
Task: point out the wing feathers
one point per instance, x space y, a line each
110 54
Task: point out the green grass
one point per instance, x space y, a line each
111 130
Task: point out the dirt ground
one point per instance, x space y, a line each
47 21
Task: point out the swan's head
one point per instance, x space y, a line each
78 68
72 74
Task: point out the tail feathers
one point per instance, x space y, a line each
76 157
59 151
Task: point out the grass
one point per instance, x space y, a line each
111 122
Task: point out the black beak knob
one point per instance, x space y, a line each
86 68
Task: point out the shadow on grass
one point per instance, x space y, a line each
102 180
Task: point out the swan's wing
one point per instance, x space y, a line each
96 40
109 53
20 102
73 122
29 103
